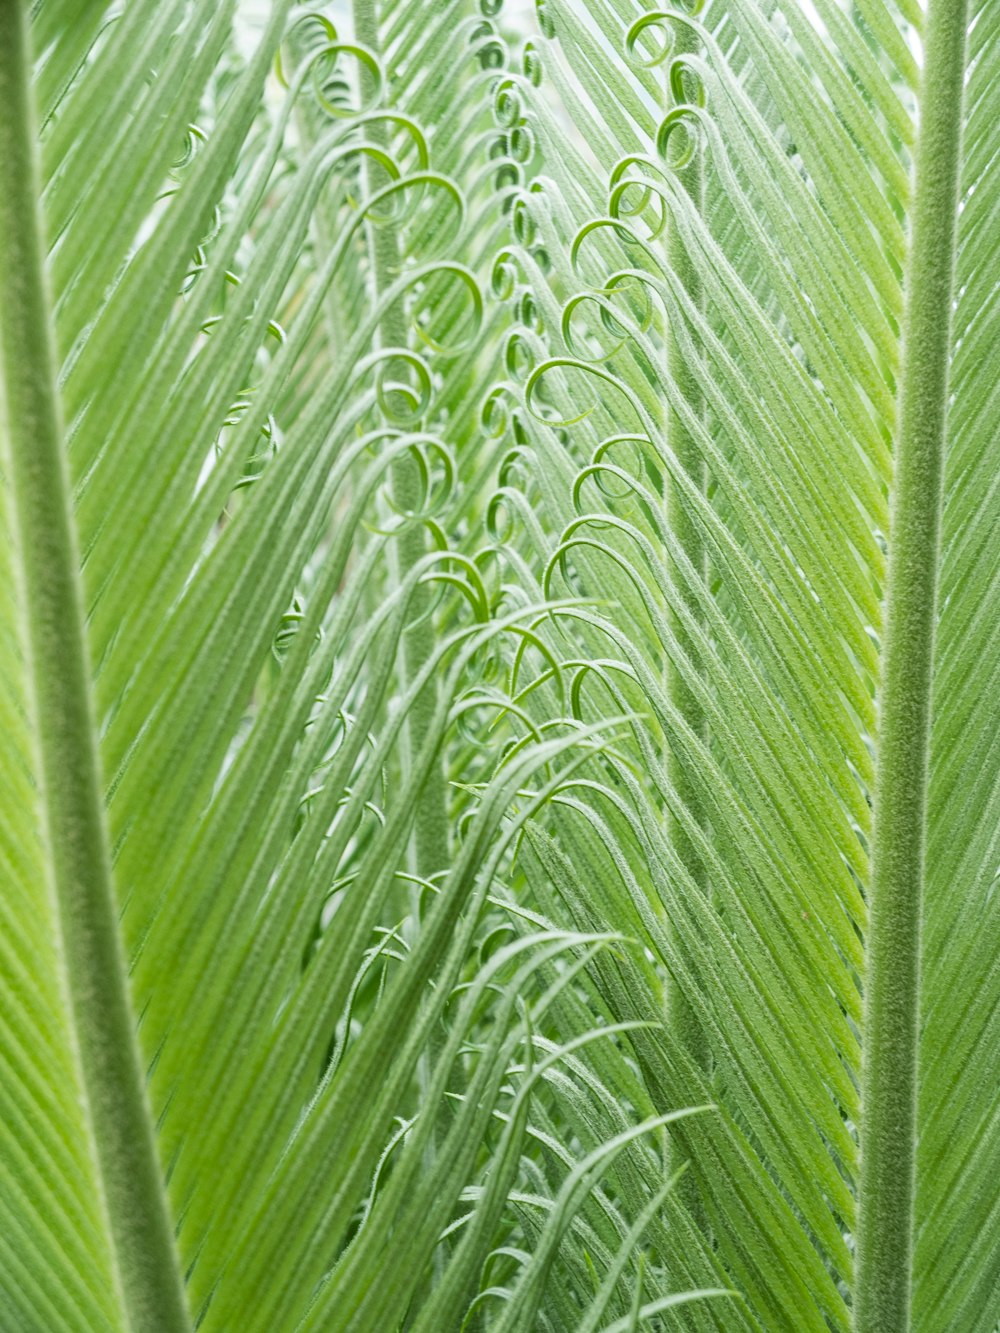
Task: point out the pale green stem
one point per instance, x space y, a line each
428 849
430 838
62 716
686 375
892 984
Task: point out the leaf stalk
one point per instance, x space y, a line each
59 684
686 373
892 986
429 850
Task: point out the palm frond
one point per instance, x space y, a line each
499 537
718 379
321 1043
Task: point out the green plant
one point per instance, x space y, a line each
499 753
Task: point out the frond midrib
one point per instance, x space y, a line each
66 752
883 1283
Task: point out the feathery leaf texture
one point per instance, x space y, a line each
498 659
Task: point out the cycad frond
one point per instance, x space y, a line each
262 494
497 667
724 382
